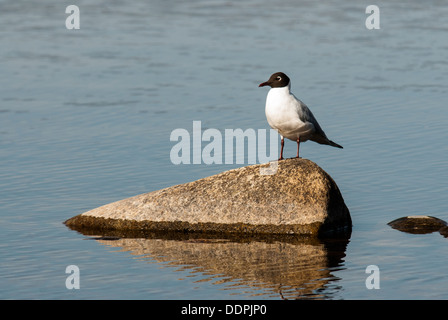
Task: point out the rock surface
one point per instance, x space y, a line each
298 198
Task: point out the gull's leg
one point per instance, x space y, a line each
281 149
298 145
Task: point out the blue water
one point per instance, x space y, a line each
86 117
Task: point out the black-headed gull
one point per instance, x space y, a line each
290 116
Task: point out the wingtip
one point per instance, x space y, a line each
334 144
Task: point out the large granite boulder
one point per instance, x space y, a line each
298 197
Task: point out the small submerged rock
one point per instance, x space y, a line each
444 231
418 224
297 198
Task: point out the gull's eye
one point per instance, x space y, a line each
278 78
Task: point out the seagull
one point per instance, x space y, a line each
291 117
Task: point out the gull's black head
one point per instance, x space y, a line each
277 80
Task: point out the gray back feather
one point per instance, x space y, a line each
306 115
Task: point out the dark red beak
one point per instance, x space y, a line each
264 84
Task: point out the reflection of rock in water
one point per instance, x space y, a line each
276 269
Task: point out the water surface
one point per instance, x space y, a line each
86 116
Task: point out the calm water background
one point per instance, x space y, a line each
86 116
